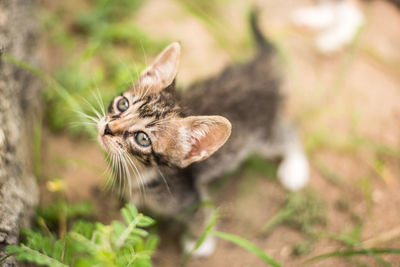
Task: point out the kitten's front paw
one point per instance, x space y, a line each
293 171
206 248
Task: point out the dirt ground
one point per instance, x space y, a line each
347 109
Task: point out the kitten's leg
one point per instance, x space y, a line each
293 171
196 224
185 203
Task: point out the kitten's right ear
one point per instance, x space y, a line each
162 72
199 137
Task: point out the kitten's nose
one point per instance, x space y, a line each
107 130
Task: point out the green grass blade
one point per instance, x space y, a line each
350 253
6 257
211 223
277 219
353 242
247 245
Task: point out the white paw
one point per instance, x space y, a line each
293 171
338 20
206 248
316 17
348 21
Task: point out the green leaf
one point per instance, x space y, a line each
151 243
118 228
140 232
84 262
129 212
25 253
145 221
127 232
84 228
247 245
90 247
134 240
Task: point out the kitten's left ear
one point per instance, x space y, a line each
201 136
162 72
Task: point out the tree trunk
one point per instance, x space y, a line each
19 101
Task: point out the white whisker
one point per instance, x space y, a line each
144 52
165 180
87 116
84 123
97 96
138 175
92 108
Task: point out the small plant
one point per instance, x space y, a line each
93 244
302 210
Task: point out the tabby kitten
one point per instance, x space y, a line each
162 141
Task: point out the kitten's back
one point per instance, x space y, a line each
248 96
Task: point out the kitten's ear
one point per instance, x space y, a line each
162 72
201 136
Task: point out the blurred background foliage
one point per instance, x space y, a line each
100 49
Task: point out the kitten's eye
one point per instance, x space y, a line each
123 104
142 139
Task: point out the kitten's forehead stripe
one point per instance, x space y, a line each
151 124
159 106
137 101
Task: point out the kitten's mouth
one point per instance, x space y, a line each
102 142
105 140
107 144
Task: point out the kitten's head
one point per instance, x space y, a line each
147 123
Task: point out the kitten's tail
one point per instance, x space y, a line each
262 42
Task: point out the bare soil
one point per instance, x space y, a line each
353 92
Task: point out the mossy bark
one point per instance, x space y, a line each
19 105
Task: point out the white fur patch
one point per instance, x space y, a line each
184 135
316 17
293 171
206 248
339 21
